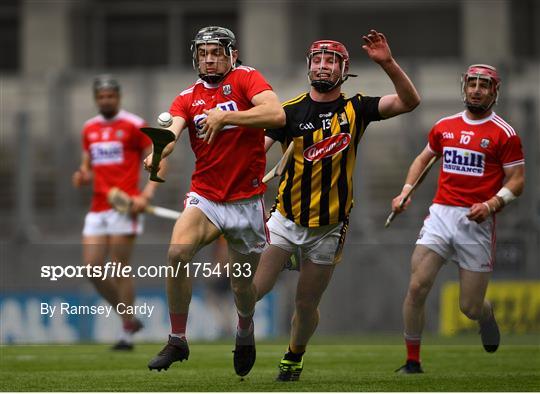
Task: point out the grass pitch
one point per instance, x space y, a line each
332 365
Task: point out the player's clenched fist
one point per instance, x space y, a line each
396 202
147 163
212 124
81 177
479 212
138 203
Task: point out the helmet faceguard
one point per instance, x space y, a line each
336 49
214 35
480 71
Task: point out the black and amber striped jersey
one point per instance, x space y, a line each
317 186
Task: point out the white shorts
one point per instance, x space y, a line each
449 233
112 222
242 222
320 245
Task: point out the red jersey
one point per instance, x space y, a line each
115 147
474 155
232 167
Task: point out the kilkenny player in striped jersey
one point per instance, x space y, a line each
315 194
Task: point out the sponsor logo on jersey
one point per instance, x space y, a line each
198 102
326 115
227 89
471 133
463 161
484 143
306 126
103 153
328 147
228 106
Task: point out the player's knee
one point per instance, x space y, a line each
471 310
241 286
305 307
418 292
180 254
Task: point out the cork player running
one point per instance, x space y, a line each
315 194
112 150
225 111
482 171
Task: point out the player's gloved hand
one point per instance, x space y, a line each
397 200
138 204
81 177
479 212
212 124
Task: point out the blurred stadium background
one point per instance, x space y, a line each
51 50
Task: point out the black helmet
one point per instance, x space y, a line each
105 81
213 35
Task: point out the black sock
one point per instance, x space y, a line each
296 357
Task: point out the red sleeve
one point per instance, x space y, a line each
254 83
84 140
511 152
434 141
179 107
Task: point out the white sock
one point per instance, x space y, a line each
126 336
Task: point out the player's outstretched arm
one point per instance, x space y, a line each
267 112
406 98
417 167
513 187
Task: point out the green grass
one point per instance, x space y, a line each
333 365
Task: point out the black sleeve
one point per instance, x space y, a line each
281 133
368 109
276 134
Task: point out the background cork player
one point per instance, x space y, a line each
482 171
112 150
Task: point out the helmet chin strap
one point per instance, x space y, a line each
323 86
478 109
212 79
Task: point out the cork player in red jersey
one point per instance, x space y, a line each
225 111
482 171
113 147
